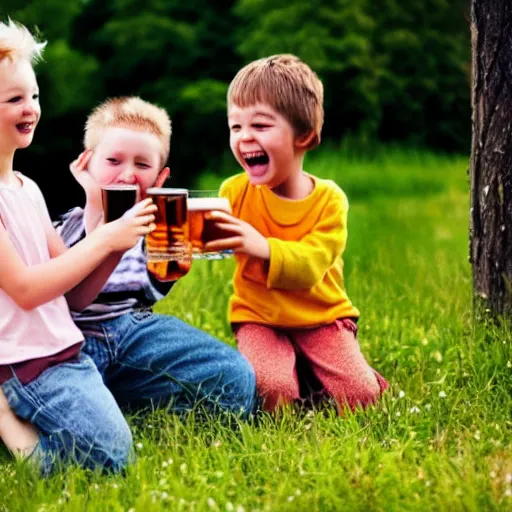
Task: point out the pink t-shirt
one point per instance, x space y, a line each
49 328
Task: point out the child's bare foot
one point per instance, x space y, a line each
19 436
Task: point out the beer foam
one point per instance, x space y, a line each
120 186
200 204
164 191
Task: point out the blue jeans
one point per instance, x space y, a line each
136 360
149 359
77 417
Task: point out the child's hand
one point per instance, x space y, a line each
79 171
122 234
245 238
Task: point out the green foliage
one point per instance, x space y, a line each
79 82
391 72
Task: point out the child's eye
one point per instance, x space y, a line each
142 165
15 99
35 96
113 161
260 126
235 127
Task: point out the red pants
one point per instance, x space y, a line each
330 354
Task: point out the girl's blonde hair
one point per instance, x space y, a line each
128 112
16 42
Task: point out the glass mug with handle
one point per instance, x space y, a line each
202 229
168 248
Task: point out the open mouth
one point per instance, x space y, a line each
257 161
25 127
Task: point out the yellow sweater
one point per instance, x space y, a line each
302 285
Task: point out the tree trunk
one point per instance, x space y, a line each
491 155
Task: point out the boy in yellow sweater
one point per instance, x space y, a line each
289 232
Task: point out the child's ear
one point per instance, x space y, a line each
304 141
164 174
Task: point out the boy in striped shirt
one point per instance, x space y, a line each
145 358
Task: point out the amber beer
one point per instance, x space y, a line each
202 229
168 246
117 199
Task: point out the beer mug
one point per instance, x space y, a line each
117 199
168 246
202 229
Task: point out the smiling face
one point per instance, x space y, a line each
127 156
264 144
19 104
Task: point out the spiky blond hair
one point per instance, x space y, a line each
128 112
286 84
16 42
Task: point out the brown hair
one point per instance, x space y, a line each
286 84
128 112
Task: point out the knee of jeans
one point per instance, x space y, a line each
239 385
112 450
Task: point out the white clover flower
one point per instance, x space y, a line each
508 478
428 407
229 506
139 446
401 394
290 498
442 394
398 413
211 503
414 410
437 356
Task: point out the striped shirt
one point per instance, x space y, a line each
129 287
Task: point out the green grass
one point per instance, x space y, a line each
439 440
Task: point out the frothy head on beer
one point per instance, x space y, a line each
130 141
208 204
164 191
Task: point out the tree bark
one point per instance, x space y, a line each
491 155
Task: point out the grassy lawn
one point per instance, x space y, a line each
440 439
